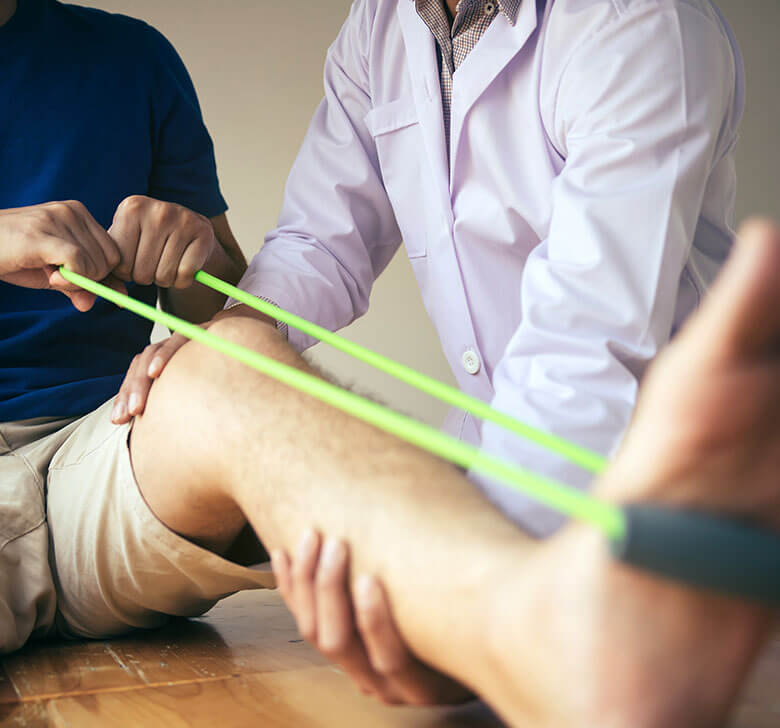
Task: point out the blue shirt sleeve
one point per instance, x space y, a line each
184 169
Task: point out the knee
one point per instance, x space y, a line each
200 385
255 333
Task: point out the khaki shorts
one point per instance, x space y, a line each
81 553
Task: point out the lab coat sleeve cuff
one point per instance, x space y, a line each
281 327
278 296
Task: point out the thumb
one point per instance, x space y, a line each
81 300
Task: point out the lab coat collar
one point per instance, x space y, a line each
423 64
500 44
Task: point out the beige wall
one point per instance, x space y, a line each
257 67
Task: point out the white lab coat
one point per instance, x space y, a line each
587 207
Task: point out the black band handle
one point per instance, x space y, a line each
703 550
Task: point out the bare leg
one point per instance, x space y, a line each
237 442
550 635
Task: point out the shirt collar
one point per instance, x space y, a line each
509 8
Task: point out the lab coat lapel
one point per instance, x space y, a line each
423 66
494 51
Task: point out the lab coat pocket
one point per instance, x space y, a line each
400 149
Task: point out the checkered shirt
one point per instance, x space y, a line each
456 39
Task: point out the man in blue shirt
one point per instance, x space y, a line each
98 108
106 166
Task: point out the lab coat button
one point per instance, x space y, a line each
470 361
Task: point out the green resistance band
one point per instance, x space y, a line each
692 547
586 459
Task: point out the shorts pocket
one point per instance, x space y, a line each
21 498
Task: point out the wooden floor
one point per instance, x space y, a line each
242 664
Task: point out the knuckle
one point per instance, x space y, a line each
143 276
203 227
371 621
113 256
144 280
133 202
76 206
393 668
163 212
61 210
332 648
165 279
327 579
308 632
301 572
129 207
102 269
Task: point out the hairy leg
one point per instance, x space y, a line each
553 635
219 442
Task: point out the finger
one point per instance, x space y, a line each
280 563
334 614
54 252
132 396
741 316
81 226
82 300
164 354
107 244
337 636
168 265
386 650
152 242
120 414
140 382
56 282
303 573
192 260
126 232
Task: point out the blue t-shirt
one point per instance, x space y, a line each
93 107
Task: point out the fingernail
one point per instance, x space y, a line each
154 367
308 542
365 590
133 403
333 553
118 412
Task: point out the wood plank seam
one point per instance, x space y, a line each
124 688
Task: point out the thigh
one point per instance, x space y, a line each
27 594
116 566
